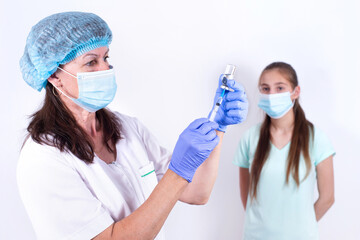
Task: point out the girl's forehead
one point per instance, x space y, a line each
273 77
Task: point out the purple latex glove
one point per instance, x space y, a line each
194 145
234 107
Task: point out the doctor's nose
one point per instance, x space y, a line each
104 66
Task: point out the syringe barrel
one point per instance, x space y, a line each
213 113
216 108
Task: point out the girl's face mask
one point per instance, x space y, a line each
96 89
276 105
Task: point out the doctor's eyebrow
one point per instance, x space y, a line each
93 54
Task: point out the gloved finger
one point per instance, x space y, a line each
210 135
206 127
214 142
236 105
197 123
236 114
235 85
209 145
231 96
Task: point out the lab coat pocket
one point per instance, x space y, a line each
148 178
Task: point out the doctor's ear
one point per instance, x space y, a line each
54 80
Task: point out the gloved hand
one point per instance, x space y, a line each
194 145
234 107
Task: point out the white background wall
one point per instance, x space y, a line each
168 56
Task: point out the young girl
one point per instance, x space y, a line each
280 161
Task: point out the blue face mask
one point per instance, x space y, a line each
96 89
276 105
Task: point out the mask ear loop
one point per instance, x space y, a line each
58 88
67 72
53 91
63 93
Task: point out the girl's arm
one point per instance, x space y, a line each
244 178
325 182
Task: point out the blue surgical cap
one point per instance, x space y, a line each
59 39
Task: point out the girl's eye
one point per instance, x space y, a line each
280 88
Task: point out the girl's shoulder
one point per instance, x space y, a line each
320 146
319 135
250 137
253 132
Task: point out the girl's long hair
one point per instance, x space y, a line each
302 131
54 125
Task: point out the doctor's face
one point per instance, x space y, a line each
92 61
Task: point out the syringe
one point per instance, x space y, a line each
229 74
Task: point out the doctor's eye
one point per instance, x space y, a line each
91 63
106 58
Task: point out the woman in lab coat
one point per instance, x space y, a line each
86 172
281 160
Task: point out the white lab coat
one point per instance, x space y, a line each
69 199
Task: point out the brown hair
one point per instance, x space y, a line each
54 125
299 140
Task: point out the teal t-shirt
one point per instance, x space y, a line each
281 211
